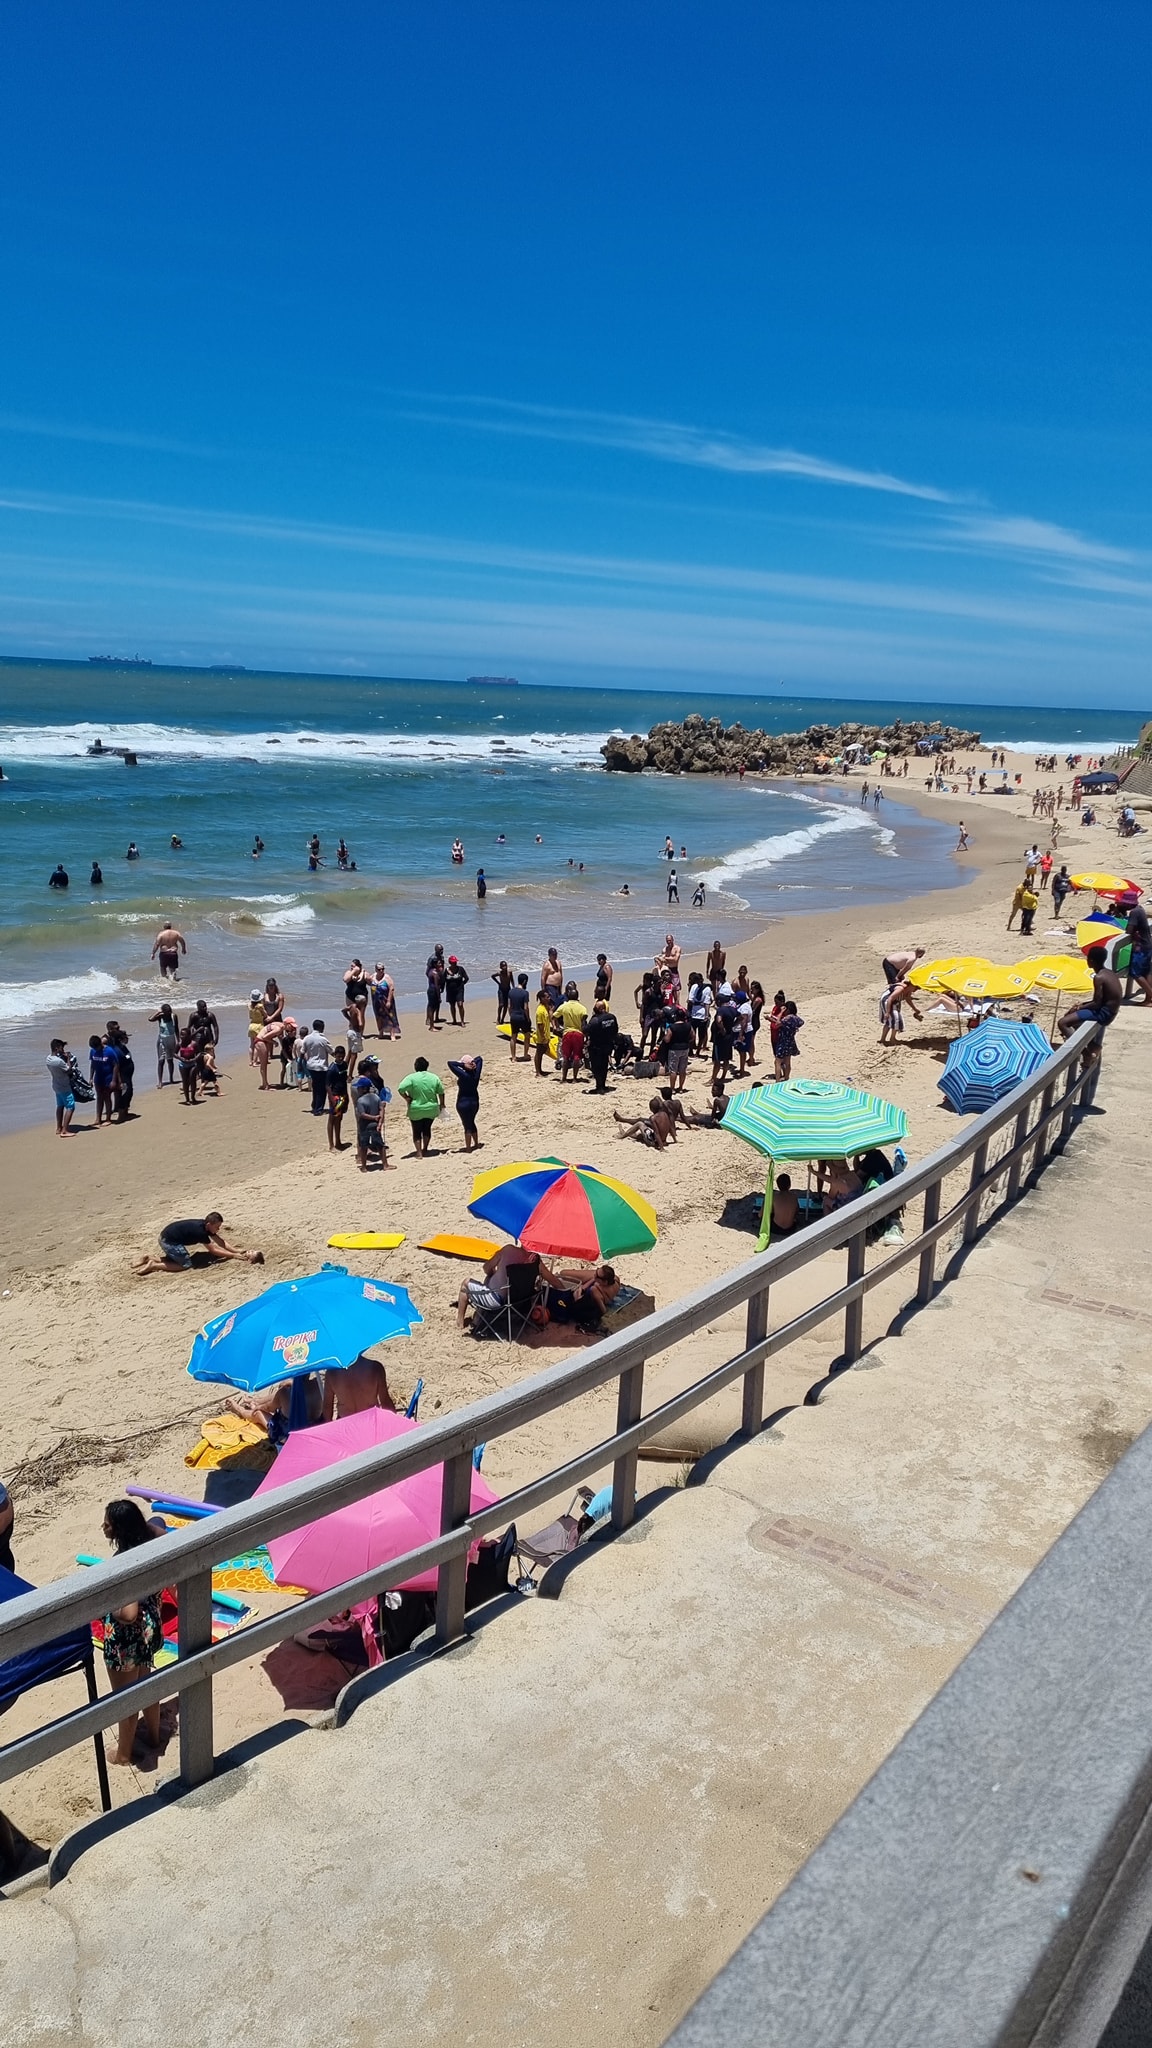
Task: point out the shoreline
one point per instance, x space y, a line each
97 1392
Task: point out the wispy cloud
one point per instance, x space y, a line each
665 441
1039 538
104 437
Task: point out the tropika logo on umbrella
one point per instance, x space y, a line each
295 1350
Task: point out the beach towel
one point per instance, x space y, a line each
232 1442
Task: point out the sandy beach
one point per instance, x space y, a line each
97 1395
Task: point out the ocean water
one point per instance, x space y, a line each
399 769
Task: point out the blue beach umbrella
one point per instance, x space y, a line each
986 1064
300 1327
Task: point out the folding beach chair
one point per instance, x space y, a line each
535 1553
506 1317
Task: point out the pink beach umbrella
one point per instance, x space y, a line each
381 1526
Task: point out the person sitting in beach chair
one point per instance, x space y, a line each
509 1297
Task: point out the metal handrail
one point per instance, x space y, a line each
185 1557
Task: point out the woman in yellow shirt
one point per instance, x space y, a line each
543 1036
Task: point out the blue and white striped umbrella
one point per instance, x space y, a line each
986 1064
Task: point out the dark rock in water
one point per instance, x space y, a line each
702 746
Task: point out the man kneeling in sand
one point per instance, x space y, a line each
179 1240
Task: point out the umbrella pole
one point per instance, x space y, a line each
766 1214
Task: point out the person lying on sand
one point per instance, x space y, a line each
657 1128
179 1240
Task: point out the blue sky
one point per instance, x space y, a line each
585 343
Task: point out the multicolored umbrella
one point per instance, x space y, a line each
989 1062
299 1327
813 1120
1104 931
383 1525
570 1212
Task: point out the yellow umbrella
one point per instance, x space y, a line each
989 983
929 974
1104 885
1057 970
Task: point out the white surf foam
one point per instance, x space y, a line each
20 999
782 846
174 742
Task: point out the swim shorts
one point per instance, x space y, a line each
168 959
1104 1015
572 1045
66 1101
1139 963
677 1059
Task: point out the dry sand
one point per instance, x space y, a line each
95 1389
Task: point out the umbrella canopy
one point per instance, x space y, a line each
813 1120
929 974
988 1063
1104 884
572 1212
989 982
300 1326
1113 937
1059 971
370 1532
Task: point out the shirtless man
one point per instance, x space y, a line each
349 1389
552 978
714 965
1104 1003
169 944
657 1128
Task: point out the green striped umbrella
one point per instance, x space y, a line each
813 1120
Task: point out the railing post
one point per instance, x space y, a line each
927 1279
1088 1096
1070 1104
452 1578
629 1403
1042 1140
197 1757
756 1329
854 1313
1015 1171
972 1213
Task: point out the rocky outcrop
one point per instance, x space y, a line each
705 746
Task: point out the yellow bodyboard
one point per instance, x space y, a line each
505 1031
366 1240
461 1247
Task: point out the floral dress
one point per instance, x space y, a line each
131 1645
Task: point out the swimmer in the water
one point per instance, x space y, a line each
96 878
623 890
133 852
175 843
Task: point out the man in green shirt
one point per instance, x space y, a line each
424 1094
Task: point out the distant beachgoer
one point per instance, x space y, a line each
273 1001
542 1039
191 1234
1017 904
455 982
457 853
369 1112
1028 906
1061 887
623 890
256 1023
600 1040
673 886
102 1073
132 1635
603 989
505 981
263 1046
203 1021
963 842
167 1040
467 1074
133 852
784 1043
481 886
60 1075
424 1094
519 1017
353 1016
669 850
1140 959
58 879
698 896
678 1036
570 1018
286 1047
316 1053
383 993
188 1050
435 970
714 965
552 978
96 878
699 1009
658 1128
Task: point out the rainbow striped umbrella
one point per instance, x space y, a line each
569 1212
813 1119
